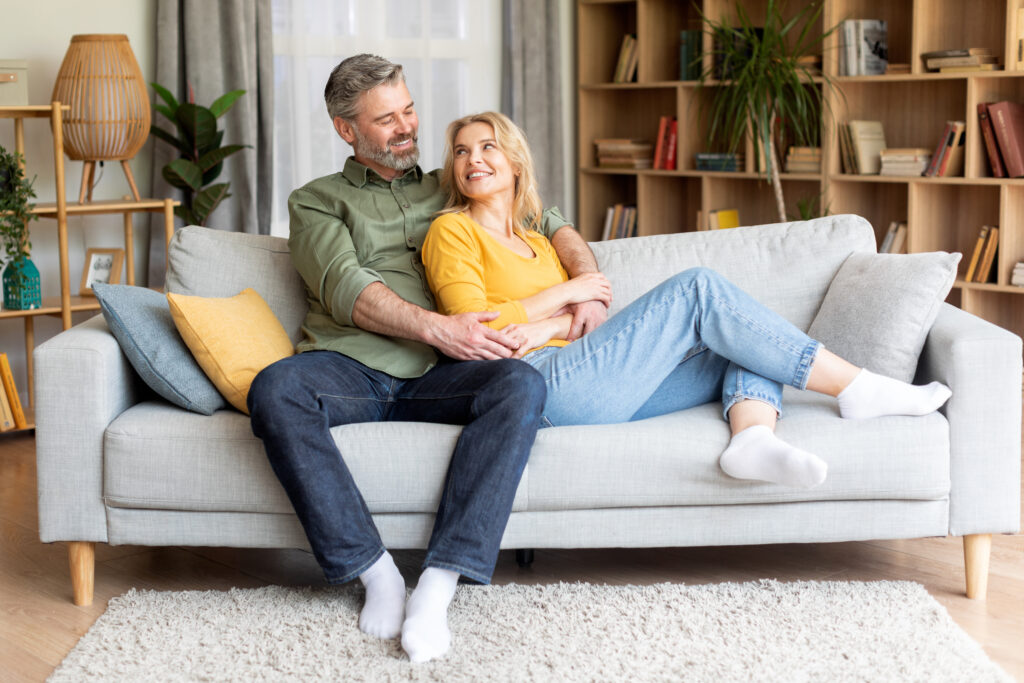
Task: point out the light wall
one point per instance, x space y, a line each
39 33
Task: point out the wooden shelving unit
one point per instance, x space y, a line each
59 210
941 213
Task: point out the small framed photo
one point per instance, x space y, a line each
102 266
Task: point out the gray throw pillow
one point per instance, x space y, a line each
140 319
879 308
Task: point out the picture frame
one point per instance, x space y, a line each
101 266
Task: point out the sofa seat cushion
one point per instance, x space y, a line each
160 457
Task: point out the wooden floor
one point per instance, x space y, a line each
39 625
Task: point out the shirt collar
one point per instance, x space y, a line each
359 175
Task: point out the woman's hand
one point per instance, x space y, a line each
531 335
588 287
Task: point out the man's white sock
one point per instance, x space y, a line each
756 453
385 599
425 633
871 395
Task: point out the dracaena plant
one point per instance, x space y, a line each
15 210
198 141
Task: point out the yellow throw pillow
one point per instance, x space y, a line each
232 339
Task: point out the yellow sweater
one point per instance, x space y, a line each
470 271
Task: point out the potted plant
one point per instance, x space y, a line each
21 277
202 156
770 92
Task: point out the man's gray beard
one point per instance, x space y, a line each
384 156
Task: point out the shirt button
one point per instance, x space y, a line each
405 205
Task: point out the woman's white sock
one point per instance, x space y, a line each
425 633
871 395
756 453
385 599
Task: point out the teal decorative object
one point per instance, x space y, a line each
21 285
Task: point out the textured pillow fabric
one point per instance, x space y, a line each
879 309
231 338
141 321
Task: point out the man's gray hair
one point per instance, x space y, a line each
353 77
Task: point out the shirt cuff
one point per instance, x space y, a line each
343 300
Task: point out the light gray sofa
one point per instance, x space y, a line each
116 465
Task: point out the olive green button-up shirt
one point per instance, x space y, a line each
354 228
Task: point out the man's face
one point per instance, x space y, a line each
384 134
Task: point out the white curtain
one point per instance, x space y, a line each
451 51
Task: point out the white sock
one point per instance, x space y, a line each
756 453
385 599
425 633
871 395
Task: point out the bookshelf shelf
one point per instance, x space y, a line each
941 213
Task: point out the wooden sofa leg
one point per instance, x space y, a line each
82 556
977 549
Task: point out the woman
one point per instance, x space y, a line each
693 339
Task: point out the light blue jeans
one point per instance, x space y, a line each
693 339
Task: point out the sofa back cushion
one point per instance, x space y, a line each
214 263
786 266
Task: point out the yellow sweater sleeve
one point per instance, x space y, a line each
454 258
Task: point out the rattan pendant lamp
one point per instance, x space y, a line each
110 114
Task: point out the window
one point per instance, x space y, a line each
450 49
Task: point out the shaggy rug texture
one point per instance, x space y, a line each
759 631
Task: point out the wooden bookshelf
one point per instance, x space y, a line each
941 213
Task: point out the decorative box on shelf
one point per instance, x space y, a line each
13 82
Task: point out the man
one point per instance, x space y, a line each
375 350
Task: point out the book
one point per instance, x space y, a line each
899 239
863 49
979 247
659 147
868 140
12 393
623 153
952 163
969 69
995 159
609 215
972 60
883 248
690 54
725 218
904 161
956 52
625 54
1008 125
6 416
940 150
1017 278
616 219
670 146
719 161
846 149
631 63
988 256
901 68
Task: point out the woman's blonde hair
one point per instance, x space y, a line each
526 204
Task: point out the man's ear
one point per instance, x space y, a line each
345 130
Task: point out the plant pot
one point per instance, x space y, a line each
21 285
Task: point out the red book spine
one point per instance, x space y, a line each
995 160
1005 125
940 150
670 152
659 147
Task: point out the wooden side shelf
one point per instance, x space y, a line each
941 213
60 210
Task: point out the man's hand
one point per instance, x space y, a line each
465 337
586 317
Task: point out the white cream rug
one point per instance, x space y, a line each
763 631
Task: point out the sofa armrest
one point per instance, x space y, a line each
82 382
981 363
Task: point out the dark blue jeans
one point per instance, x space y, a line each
295 402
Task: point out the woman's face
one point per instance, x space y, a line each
482 171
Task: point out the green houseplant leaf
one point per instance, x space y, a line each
222 104
15 211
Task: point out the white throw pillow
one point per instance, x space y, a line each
879 308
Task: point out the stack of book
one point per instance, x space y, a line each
895 239
860 146
625 66
719 161
983 258
1006 120
963 59
1017 279
948 158
12 415
863 47
803 160
904 161
619 221
690 64
665 147
623 153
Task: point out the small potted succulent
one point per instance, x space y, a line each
21 277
